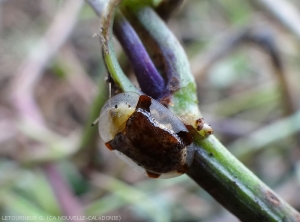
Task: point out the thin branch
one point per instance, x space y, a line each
67 201
263 39
285 12
113 67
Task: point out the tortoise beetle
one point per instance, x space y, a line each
146 135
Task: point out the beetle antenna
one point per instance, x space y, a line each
95 122
109 81
109 89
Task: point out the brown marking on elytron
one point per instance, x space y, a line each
185 137
155 148
152 175
199 124
109 146
144 103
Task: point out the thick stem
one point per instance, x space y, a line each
235 187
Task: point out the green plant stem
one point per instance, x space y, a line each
234 186
109 56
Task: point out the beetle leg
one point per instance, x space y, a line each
152 175
109 146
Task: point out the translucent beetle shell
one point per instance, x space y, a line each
146 135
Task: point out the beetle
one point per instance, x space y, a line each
146 135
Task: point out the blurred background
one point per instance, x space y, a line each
245 58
